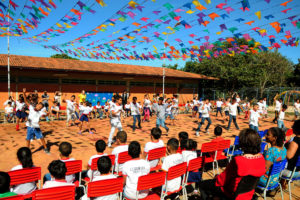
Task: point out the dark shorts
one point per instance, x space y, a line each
195 108
227 113
84 118
31 132
54 112
21 114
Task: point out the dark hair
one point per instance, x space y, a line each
134 98
134 149
296 127
249 141
183 135
188 144
161 99
65 148
173 143
57 169
218 131
156 133
118 97
25 157
281 99
73 96
9 103
279 134
104 164
100 146
284 106
122 136
4 182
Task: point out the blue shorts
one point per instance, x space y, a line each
195 108
21 114
169 115
31 132
84 117
296 113
200 115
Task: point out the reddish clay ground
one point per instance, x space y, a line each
83 146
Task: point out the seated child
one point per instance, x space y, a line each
171 160
100 148
132 170
121 140
104 167
9 112
55 110
58 170
4 185
182 136
25 159
218 133
155 143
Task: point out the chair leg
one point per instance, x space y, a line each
213 168
217 167
281 192
290 190
265 194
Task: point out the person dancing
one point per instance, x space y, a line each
115 120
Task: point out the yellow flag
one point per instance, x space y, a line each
132 4
59 25
190 12
196 3
258 14
208 1
67 25
101 2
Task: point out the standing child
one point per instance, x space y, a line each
187 107
260 104
169 112
160 110
205 116
115 120
127 109
55 110
254 117
226 109
20 109
135 112
297 109
106 109
233 107
71 105
99 110
147 105
9 112
265 108
280 120
155 143
200 104
278 104
85 109
219 105
33 127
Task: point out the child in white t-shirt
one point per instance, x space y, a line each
127 109
9 112
132 170
58 170
219 105
205 109
233 109
70 109
280 120
55 110
171 160
278 104
121 141
115 120
100 148
187 107
85 109
155 143
25 159
297 109
254 117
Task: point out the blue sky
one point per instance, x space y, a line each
89 21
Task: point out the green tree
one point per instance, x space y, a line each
175 66
294 80
63 56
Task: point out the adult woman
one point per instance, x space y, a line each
276 153
245 169
293 152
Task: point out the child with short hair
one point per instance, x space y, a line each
297 109
219 104
218 134
183 136
171 160
280 120
155 143
4 186
85 110
65 149
233 108
55 110
20 111
254 117
99 110
9 112
132 170
71 104
121 141
116 109
278 104
205 116
58 170
100 148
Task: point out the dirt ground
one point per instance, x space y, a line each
83 145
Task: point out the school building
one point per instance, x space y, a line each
72 76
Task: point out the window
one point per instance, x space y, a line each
104 82
3 79
141 84
188 85
78 81
24 79
167 85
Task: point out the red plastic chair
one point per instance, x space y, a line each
122 158
289 132
174 172
18 197
73 167
155 154
105 187
94 166
209 149
220 155
57 193
27 175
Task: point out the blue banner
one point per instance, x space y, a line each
94 97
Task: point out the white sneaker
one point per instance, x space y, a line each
109 144
207 131
197 133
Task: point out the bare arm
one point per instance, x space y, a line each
25 97
293 146
268 165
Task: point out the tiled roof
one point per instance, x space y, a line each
30 62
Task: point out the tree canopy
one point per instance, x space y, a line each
63 56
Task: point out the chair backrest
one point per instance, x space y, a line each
176 171
289 132
195 164
57 193
236 141
277 167
266 131
18 197
224 144
95 160
26 175
209 147
246 184
156 153
105 187
262 147
298 161
151 181
123 157
261 133
73 166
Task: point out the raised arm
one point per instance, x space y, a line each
25 97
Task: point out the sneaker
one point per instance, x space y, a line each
91 132
207 131
197 133
47 151
167 132
109 145
79 133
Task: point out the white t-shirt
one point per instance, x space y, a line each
20 106
153 145
71 105
254 116
23 188
106 107
34 117
147 103
135 108
98 107
297 106
54 108
281 115
9 109
219 104
233 109
226 106
205 110
238 100
117 109
200 104
116 151
188 155
260 106
85 109
168 162
69 178
93 173
265 104
127 106
106 177
277 105
169 110
195 102
55 183
175 103
133 169
111 104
